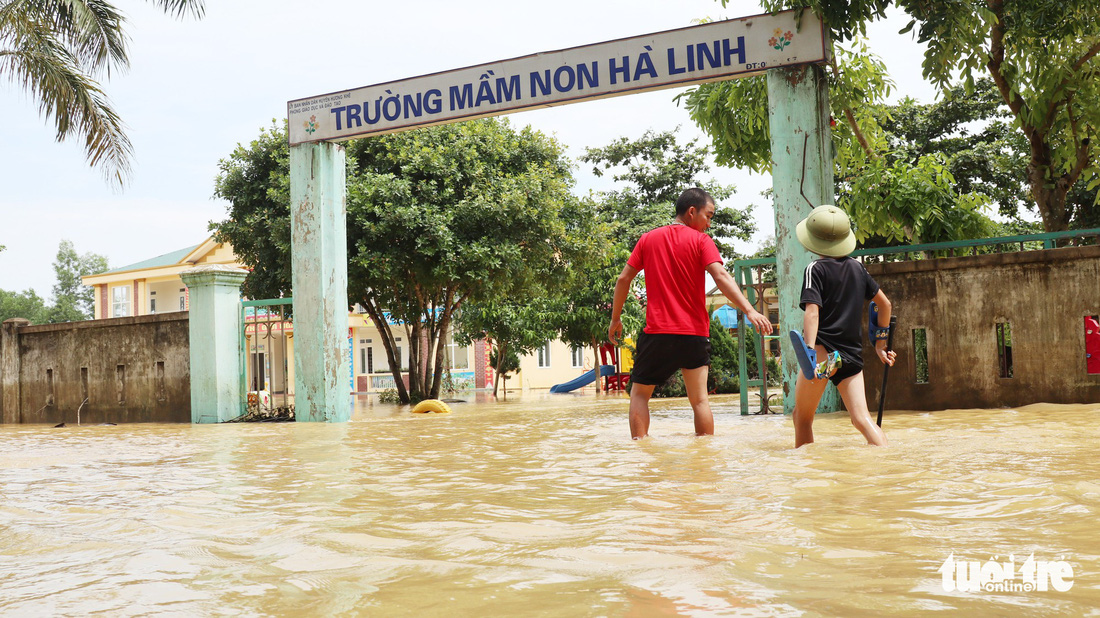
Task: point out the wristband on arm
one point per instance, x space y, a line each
875 332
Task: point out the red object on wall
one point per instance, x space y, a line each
488 366
1092 344
103 313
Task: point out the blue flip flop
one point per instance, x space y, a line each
807 359
807 356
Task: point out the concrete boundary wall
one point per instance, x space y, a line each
1043 296
119 370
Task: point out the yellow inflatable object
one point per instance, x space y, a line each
431 405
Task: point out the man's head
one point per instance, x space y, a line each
695 208
827 231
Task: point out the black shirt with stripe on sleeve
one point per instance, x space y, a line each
839 286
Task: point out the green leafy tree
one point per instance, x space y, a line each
506 363
254 180
27 305
890 196
652 171
1039 54
972 129
437 218
509 326
74 301
453 214
56 50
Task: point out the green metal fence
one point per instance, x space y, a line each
757 275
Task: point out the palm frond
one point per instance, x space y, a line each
91 29
45 68
55 48
178 8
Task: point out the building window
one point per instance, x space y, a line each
544 355
578 357
458 356
1004 349
183 299
120 301
920 354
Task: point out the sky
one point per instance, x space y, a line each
198 88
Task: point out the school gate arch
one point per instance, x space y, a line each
787 46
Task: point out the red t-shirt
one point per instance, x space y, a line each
675 258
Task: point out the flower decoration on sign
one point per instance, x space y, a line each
781 39
311 125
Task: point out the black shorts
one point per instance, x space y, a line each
659 356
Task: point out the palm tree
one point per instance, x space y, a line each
55 49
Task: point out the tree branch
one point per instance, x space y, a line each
996 61
1055 102
1089 55
852 118
1082 147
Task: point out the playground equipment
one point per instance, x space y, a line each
609 355
584 379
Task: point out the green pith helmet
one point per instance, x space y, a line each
827 231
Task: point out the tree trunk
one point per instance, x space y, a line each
416 384
501 348
389 344
1050 197
440 357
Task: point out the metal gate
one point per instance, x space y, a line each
267 335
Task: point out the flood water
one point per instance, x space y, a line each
543 506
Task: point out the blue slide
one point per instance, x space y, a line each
584 379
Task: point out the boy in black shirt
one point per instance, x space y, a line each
833 291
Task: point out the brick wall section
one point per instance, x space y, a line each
480 380
153 384
1043 295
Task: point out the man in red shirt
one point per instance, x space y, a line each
675 259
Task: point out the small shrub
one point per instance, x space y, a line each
724 383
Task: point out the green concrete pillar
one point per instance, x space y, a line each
319 254
802 178
217 393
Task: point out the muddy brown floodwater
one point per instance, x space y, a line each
543 506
